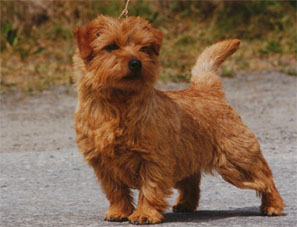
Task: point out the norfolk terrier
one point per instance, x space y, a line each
138 137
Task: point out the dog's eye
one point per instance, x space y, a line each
145 49
149 50
112 47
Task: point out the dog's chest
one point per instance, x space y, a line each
126 135
124 167
125 159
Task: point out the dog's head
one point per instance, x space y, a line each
119 53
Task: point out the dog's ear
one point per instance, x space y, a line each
158 35
83 37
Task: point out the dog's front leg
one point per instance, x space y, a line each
118 194
146 213
120 200
155 188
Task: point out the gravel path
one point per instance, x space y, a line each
43 181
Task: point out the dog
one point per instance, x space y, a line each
137 137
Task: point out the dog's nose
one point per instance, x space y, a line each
134 65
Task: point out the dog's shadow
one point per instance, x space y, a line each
209 215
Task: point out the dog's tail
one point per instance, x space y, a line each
205 70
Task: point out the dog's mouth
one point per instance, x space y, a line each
132 76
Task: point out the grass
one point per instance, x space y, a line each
37 43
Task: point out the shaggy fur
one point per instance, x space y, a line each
135 136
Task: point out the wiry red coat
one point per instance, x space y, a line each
135 136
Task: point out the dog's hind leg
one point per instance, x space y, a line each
249 169
189 194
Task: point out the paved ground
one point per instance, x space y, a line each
43 181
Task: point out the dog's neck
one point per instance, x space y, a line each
119 96
112 102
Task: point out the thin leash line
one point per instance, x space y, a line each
125 11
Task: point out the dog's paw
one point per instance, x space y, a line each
182 208
116 216
142 218
112 219
271 211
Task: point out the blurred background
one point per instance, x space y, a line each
37 42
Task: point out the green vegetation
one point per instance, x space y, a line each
37 44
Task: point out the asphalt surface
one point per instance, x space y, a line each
44 182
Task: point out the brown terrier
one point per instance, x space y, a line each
135 136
